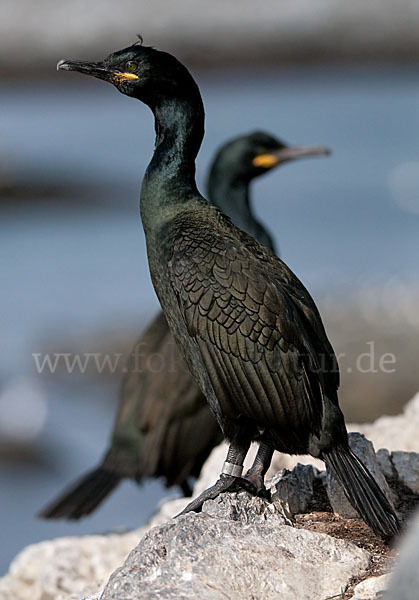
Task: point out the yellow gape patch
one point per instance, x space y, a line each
265 160
125 76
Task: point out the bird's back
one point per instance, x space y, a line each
249 329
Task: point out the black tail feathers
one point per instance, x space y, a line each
83 496
362 491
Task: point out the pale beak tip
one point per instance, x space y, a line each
62 65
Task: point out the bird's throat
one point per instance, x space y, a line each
169 181
179 127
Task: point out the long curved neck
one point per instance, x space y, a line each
169 181
233 198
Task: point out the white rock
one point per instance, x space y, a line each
398 432
372 588
66 568
236 554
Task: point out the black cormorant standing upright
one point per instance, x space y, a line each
248 329
164 426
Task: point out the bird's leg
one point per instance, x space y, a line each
230 479
256 473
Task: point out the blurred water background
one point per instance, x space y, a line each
74 274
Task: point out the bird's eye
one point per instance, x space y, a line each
131 66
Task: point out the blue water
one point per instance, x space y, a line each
74 267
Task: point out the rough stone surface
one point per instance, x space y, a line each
167 510
252 556
247 509
384 460
406 465
297 488
66 567
404 583
364 449
372 588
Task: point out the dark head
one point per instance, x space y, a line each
238 162
141 72
248 156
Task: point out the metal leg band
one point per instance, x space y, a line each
232 469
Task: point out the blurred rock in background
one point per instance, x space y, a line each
375 334
212 34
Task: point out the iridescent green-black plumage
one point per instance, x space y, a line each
164 427
248 329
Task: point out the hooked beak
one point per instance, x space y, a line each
95 69
276 157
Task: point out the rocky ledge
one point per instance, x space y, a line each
238 547
305 544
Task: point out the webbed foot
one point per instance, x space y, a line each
226 483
